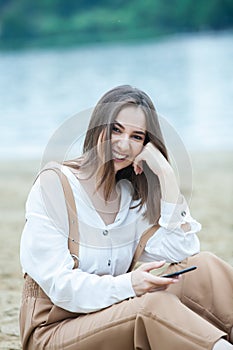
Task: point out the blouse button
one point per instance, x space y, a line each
183 213
105 232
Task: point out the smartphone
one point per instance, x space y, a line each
177 273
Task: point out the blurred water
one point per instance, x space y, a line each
189 78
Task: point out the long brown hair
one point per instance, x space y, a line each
146 186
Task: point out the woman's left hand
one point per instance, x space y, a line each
154 159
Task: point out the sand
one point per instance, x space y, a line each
211 204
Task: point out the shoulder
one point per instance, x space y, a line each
48 176
52 172
47 187
48 180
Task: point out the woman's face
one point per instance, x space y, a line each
128 136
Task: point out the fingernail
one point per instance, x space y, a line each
175 280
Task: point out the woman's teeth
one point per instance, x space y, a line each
118 156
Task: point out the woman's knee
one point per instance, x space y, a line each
160 301
202 258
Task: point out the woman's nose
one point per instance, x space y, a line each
123 143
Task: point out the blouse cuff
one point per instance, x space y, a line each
173 215
124 286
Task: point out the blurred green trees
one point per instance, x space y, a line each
65 22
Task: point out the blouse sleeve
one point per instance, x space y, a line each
45 256
170 241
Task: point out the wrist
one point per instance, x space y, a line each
167 173
169 188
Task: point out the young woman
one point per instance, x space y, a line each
122 185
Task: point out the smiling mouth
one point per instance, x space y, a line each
119 157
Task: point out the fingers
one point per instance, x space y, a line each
151 265
137 163
160 281
143 281
137 168
154 280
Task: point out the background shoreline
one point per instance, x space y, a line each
211 204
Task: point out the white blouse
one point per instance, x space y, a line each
105 251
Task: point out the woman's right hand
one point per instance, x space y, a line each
143 281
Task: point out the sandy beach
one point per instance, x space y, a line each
211 204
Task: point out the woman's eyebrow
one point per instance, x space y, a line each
136 131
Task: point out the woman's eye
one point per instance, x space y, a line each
137 137
116 129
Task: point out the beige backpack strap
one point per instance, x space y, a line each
142 243
73 241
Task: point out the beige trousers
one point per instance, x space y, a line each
191 315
